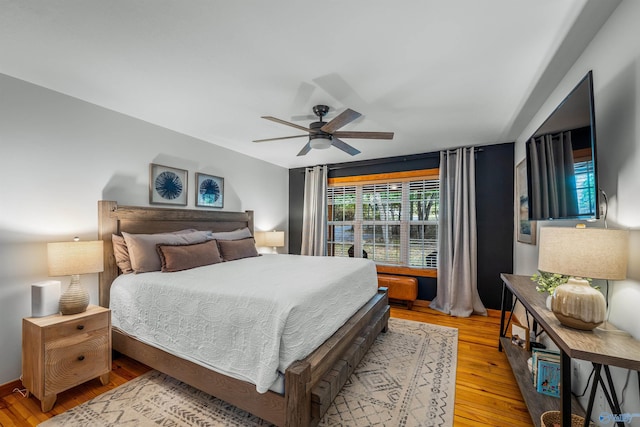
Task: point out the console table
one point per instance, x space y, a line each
602 349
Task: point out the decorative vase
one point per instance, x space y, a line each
577 305
75 299
548 302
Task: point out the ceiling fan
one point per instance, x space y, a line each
323 135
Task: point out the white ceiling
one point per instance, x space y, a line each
439 74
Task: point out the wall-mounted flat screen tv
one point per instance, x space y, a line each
562 179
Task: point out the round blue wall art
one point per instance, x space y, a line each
168 185
209 191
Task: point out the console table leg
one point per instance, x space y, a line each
565 388
592 395
611 396
609 392
503 312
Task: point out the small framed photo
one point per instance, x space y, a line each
167 185
209 191
526 228
520 336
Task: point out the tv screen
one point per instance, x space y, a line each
561 160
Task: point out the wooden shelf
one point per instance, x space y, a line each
537 403
600 347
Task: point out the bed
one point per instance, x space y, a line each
310 384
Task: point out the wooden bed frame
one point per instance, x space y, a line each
310 384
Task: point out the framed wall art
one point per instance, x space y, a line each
209 191
520 336
526 228
167 185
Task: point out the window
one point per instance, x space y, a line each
392 217
585 183
584 173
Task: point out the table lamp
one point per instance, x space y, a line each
596 253
274 238
73 259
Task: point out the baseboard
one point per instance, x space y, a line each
421 303
425 303
7 389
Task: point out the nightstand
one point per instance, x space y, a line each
60 352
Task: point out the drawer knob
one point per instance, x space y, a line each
81 358
80 327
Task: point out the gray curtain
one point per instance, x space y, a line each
553 190
314 216
457 290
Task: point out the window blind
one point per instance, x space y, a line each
393 223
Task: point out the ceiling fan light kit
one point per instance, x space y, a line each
323 135
318 139
320 142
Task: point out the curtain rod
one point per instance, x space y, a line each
475 149
386 160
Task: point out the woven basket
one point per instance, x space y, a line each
551 418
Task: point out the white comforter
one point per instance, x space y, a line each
249 318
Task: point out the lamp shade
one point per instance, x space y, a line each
596 253
270 238
582 253
69 258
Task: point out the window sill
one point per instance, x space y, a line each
417 272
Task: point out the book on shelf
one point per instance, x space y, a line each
547 358
548 378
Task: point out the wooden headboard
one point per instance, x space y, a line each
114 219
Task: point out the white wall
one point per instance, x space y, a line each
614 57
60 155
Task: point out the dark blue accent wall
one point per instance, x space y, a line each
494 204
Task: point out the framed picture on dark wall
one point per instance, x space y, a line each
209 191
526 228
167 185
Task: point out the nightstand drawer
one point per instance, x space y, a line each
69 362
76 327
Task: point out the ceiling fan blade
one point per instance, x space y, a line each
282 137
305 149
303 95
273 119
347 116
363 135
344 146
303 117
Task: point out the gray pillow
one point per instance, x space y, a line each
142 247
121 254
240 233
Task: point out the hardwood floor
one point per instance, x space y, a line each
486 391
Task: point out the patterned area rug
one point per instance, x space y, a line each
407 378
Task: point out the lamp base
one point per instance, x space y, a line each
577 305
75 299
574 323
